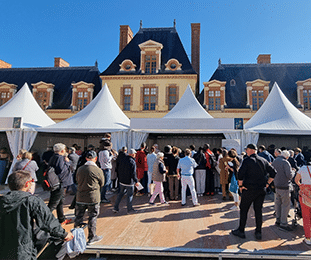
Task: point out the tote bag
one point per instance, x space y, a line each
233 184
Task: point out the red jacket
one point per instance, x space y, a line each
141 160
207 155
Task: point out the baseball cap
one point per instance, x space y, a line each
132 151
252 146
90 154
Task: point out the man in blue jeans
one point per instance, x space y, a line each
127 179
105 157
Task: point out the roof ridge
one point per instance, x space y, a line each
157 29
50 68
263 64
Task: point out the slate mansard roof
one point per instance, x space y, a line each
172 48
61 77
285 74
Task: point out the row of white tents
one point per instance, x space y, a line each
276 116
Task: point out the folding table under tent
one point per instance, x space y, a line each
187 117
102 115
277 116
20 118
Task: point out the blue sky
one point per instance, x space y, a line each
32 33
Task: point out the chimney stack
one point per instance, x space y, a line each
5 65
264 58
126 35
195 52
59 62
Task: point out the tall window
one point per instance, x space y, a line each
42 99
214 100
150 64
150 56
307 99
258 99
82 100
150 97
127 99
4 97
172 97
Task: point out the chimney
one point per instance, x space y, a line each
59 62
195 52
264 58
5 65
126 35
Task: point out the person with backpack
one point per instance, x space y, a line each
61 164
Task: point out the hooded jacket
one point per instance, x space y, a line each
19 211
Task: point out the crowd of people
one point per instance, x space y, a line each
171 174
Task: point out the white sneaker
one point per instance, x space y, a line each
307 241
234 208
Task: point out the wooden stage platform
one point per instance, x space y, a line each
202 231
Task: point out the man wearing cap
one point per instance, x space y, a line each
82 159
127 179
253 180
90 179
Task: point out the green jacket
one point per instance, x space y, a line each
19 211
90 179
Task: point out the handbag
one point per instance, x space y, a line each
234 184
305 192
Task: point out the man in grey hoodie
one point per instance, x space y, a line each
282 182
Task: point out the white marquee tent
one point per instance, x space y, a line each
25 108
102 115
187 116
279 116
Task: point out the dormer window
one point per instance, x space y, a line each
150 57
257 92
82 95
173 65
127 65
214 95
304 94
150 64
6 92
43 93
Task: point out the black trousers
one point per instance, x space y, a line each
209 181
248 197
56 201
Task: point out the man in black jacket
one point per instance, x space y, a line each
254 176
127 179
19 212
